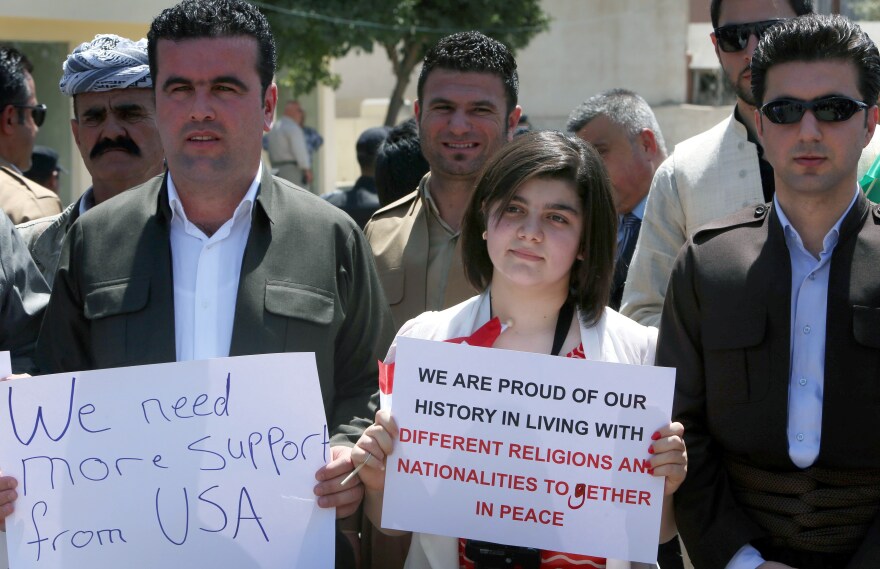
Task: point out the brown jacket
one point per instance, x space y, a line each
24 200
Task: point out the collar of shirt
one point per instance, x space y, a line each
433 211
638 211
87 201
180 220
794 241
10 165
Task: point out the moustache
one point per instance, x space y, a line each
123 143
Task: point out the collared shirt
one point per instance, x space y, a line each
768 179
10 165
445 284
206 273
806 380
638 211
809 301
87 200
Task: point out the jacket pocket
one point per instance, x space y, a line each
117 298
736 356
866 326
393 281
303 302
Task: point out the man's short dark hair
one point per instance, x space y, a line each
195 19
14 89
622 107
400 164
800 8
473 52
817 38
554 156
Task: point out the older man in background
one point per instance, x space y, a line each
115 130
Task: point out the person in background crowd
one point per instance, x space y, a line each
771 322
714 173
400 164
20 119
287 147
360 201
467 110
45 169
114 126
622 127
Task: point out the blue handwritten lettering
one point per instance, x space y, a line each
191 447
241 496
91 409
216 505
186 522
40 420
51 460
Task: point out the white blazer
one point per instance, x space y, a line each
614 338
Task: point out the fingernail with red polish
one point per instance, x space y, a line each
655 436
651 471
651 449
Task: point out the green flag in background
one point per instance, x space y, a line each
870 182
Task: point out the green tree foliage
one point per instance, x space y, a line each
862 9
310 33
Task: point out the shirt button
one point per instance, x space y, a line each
802 381
812 276
205 304
800 437
741 145
807 329
742 173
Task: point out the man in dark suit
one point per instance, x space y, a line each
361 200
625 132
772 322
217 257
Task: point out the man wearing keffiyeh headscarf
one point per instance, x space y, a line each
114 128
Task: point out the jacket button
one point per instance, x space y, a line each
759 211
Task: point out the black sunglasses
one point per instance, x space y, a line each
37 111
735 37
826 109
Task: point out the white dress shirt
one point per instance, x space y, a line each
206 273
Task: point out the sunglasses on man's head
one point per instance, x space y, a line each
735 37
37 111
825 109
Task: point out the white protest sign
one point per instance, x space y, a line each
192 464
5 370
526 449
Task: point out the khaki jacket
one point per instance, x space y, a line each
24 200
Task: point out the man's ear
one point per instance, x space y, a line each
9 118
270 101
417 111
74 129
512 121
759 125
648 143
715 45
871 123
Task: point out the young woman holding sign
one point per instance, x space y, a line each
541 230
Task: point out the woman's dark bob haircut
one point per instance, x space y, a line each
550 156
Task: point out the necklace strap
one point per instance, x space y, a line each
563 324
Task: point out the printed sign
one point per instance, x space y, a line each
527 449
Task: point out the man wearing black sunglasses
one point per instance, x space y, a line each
20 119
772 320
713 173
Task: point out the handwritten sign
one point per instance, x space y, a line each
192 464
527 449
